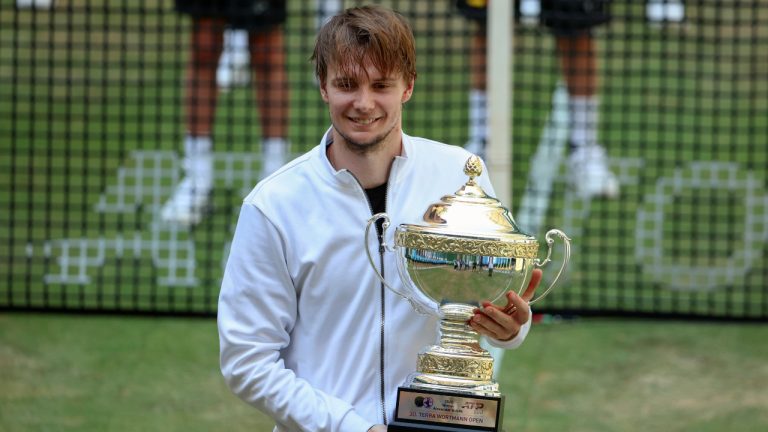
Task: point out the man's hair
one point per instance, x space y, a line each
362 35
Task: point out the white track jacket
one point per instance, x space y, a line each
308 333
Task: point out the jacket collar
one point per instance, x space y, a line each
344 178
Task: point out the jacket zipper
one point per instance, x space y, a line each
380 237
383 310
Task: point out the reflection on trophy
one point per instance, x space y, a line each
469 249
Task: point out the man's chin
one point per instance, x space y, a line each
363 142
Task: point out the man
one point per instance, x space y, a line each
263 21
571 22
308 333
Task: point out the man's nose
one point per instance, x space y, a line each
364 100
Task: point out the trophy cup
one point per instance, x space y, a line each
469 249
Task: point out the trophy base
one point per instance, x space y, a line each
432 410
410 427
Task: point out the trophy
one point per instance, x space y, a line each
469 249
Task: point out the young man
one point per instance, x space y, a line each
308 333
571 22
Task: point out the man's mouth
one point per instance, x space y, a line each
363 121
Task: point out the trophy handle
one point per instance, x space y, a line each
566 258
384 247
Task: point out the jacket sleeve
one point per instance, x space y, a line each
256 313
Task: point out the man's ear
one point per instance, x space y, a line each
323 92
408 91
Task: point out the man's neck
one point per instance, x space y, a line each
371 168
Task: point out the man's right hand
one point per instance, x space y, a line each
378 428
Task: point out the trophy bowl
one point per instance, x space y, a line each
467 250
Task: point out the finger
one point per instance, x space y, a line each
489 328
521 307
484 326
533 284
496 323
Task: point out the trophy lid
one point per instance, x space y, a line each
469 221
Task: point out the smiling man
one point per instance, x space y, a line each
308 333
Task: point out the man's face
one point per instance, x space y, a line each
366 108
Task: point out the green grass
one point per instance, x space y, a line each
98 373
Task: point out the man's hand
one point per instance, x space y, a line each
503 323
378 428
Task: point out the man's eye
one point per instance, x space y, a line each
344 85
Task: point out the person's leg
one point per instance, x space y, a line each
200 90
190 197
588 164
268 61
578 63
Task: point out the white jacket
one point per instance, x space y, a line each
308 333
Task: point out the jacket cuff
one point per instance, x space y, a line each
352 422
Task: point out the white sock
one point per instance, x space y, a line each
274 147
478 115
584 116
236 40
198 160
665 10
530 8
326 9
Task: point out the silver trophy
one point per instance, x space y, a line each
468 250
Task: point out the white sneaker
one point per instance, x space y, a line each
476 147
589 175
188 203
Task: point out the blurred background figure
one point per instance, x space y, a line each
262 21
571 22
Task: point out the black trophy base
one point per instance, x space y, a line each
439 411
413 427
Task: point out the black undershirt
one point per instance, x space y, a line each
377 196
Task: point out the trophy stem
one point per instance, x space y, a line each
454 330
458 363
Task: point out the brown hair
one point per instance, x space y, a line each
365 34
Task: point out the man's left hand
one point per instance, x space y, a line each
503 323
